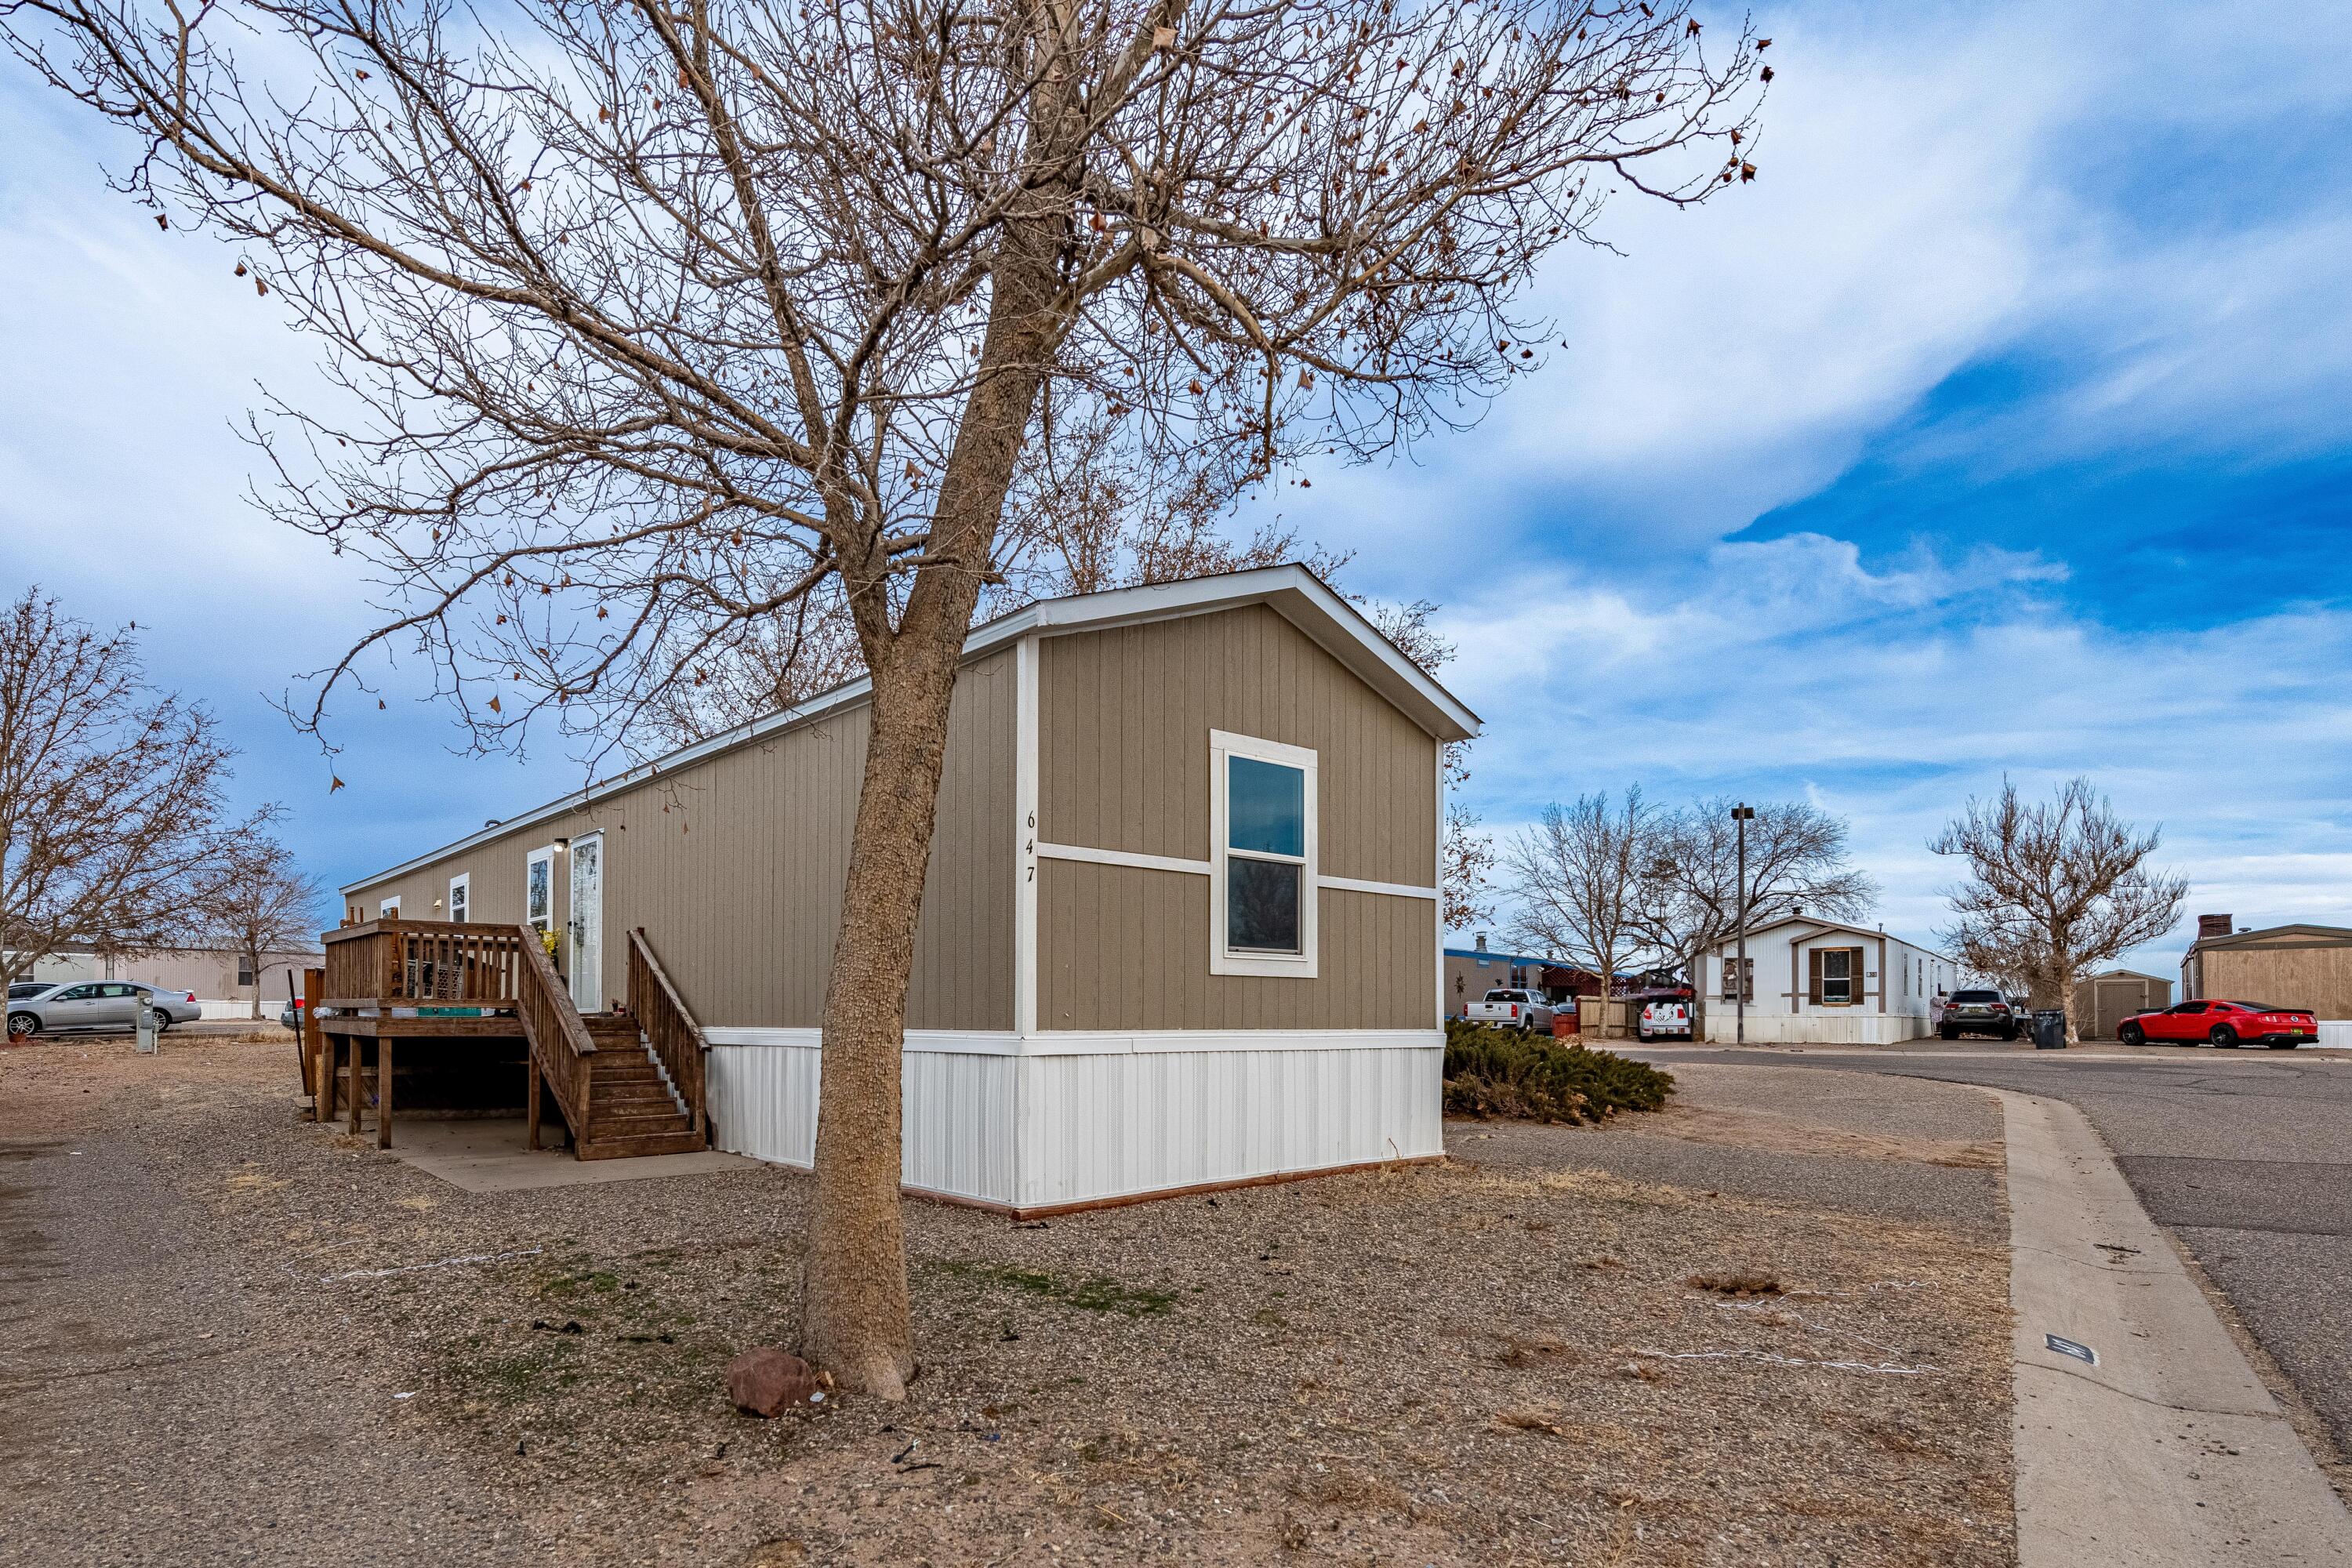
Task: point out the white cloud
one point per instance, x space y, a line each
1785 669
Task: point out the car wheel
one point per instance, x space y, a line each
2132 1035
23 1026
2225 1036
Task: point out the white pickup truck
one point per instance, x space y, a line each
1513 1009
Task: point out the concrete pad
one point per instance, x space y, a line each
2166 1451
483 1155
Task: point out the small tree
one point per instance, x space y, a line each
259 903
660 318
1575 881
111 795
2053 889
1689 899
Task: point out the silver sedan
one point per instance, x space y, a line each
108 1004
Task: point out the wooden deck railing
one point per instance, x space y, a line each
396 962
561 1050
661 1012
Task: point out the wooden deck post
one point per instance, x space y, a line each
314 1070
383 1092
359 1049
322 1107
531 1101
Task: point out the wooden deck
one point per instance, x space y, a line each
456 1018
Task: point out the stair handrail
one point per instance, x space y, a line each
560 1043
677 1040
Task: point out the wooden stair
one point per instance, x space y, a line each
632 1107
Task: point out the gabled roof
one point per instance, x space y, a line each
2129 974
1828 925
2276 936
1291 591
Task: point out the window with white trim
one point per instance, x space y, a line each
1262 859
389 908
461 895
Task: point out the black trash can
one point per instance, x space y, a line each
2049 1029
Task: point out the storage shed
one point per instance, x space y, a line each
2104 1001
1179 926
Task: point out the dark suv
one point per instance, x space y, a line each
1977 1013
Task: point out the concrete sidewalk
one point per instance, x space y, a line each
2143 1437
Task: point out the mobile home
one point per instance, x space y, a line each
1180 927
1822 981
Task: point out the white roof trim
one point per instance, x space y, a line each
1292 591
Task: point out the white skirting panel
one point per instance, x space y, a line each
762 1101
1110 1126
1032 1122
1817 1029
2335 1033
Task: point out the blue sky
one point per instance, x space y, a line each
2004 426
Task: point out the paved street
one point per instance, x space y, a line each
2245 1156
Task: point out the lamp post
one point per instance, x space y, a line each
1741 816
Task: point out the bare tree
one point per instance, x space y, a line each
111 795
663 317
257 903
2055 888
1576 882
1689 899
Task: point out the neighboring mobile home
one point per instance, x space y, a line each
1179 926
1472 972
1814 980
2286 966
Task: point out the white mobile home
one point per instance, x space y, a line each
1822 981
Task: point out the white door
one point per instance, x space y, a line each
588 923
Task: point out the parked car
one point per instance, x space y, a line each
2224 1024
1513 1009
1665 1020
111 1004
1977 1013
22 989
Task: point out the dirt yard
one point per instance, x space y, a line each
231 1335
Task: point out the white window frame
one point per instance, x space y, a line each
545 853
463 882
1304 965
389 909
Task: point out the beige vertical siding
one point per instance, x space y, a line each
2299 972
1123 764
734 865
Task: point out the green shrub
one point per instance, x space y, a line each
1498 1072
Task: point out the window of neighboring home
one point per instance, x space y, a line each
538 890
1519 975
1262 859
1837 976
388 909
461 894
244 971
1732 975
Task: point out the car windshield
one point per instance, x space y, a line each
1976 995
24 990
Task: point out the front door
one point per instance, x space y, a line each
588 923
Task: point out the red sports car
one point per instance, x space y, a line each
2224 1024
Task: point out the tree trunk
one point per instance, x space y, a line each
854 1318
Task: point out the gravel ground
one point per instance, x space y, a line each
1872 1145
1517 1357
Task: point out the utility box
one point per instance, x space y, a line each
2049 1029
144 1022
